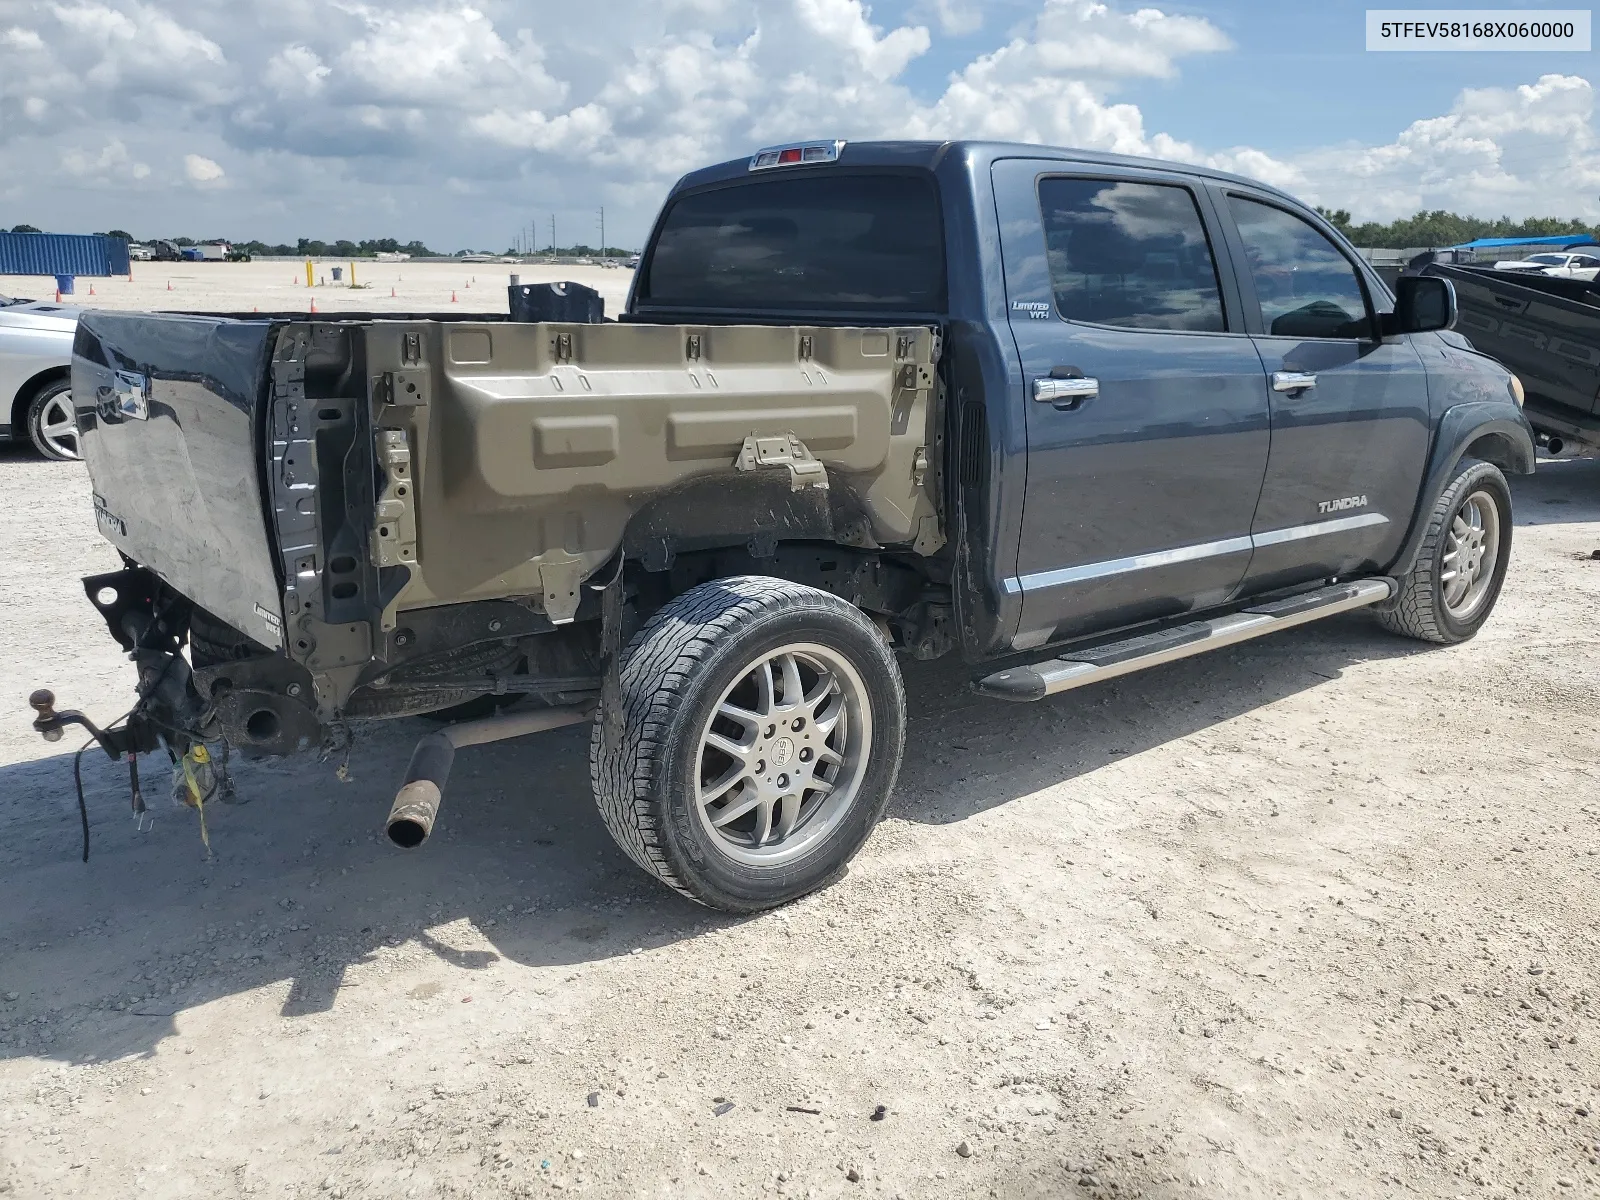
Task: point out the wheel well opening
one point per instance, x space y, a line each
30 389
1500 450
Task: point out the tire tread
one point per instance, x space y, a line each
660 664
1415 611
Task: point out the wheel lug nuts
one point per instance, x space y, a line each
771 729
761 767
805 754
783 781
799 724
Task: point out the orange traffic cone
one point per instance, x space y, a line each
169 285
313 305
91 289
391 291
58 295
452 297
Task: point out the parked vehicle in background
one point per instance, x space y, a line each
165 251
35 376
139 253
1547 329
1560 266
959 398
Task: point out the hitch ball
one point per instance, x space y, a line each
43 702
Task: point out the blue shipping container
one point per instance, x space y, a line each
62 254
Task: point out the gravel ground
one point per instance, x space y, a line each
1315 916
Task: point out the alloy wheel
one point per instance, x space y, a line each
783 755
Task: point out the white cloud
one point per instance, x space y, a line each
957 18
295 71
1530 149
201 169
352 110
111 164
22 39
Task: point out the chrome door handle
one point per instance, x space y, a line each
1293 381
1063 391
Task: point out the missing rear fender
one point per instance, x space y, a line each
909 594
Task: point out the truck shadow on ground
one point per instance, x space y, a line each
1562 491
301 885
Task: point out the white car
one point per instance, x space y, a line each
36 376
1564 265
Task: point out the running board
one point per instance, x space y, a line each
1078 667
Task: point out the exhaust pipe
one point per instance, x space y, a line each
416 805
1556 444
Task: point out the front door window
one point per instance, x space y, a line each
1306 288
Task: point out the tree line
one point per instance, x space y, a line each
1440 228
1436 228
370 247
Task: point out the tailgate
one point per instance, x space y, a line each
169 409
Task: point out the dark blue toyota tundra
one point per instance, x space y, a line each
1064 414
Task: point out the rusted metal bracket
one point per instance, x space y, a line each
786 451
561 577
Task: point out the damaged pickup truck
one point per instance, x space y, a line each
1065 415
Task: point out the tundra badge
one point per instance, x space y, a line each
1341 504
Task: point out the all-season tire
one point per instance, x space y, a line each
1470 522
700 658
48 411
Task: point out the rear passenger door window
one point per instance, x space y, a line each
1305 286
1131 255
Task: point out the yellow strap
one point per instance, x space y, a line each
197 754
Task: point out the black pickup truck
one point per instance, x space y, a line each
1546 329
1064 414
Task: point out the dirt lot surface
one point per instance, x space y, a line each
1316 917
281 286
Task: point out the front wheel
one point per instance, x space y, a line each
52 422
1451 590
759 736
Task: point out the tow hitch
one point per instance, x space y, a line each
198 778
126 743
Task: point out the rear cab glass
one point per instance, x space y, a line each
824 241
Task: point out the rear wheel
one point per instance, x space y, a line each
759 736
52 422
1452 589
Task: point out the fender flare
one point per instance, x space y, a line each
1494 431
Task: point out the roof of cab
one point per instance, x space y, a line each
928 155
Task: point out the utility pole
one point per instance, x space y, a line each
552 233
602 231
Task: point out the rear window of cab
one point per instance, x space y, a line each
849 242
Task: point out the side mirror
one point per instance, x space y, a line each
1422 303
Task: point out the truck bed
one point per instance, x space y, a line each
309 481
1545 329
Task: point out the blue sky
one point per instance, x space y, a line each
1299 75
457 121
